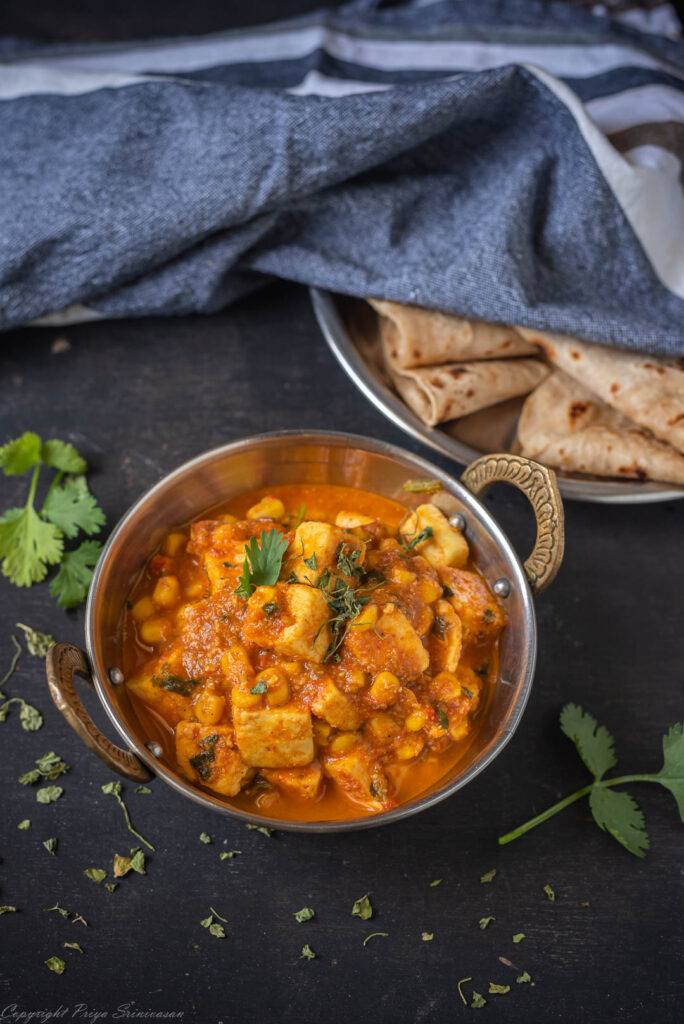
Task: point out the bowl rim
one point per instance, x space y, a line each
374 446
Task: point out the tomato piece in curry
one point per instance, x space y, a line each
346 683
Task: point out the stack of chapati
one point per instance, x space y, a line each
590 408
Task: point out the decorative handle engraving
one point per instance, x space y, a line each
62 663
538 484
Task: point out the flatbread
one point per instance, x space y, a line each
647 389
563 424
440 393
424 337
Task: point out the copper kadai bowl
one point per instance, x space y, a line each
334 458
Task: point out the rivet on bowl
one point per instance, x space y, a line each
458 521
116 676
154 748
502 587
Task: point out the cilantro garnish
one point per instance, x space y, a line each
417 538
174 684
215 929
30 718
262 563
307 953
33 539
259 687
374 935
423 486
485 922
362 908
305 914
498 990
51 846
56 964
264 829
488 876
203 762
616 813
37 643
114 789
478 1001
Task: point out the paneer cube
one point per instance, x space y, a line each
322 540
335 707
482 616
360 778
446 638
290 619
446 546
165 687
274 737
207 754
305 783
392 646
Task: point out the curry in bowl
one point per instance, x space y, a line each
313 651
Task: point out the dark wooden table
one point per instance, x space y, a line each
138 398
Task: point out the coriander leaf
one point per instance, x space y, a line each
96 875
111 886
311 562
20 455
217 930
307 953
485 921
488 876
671 774
305 914
62 911
435 882
62 456
618 814
48 794
138 862
70 585
204 837
593 741
523 978
142 789
5 909
362 908
259 687
498 990
114 789
478 1001
550 893
72 945
25 824
229 854
263 562
56 964
28 545
374 935
264 829
427 936
72 507
37 643
28 778
122 865
30 718
51 846
518 937
425 534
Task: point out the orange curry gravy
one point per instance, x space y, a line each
350 685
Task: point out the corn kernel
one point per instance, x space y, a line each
228 518
429 590
209 708
383 728
459 730
410 748
291 668
278 687
389 544
154 630
416 720
342 744
167 592
174 544
321 731
194 590
143 609
445 686
366 619
268 508
224 534
384 689
400 575
424 620
244 698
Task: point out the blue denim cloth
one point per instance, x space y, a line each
473 192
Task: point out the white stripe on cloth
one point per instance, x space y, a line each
387 55
643 105
651 200
17 80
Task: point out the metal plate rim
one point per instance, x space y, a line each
615 492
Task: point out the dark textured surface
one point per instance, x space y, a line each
140 397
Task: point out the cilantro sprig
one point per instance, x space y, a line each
263 561
616 813
33 539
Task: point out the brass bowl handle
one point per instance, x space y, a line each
538 484
62 663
